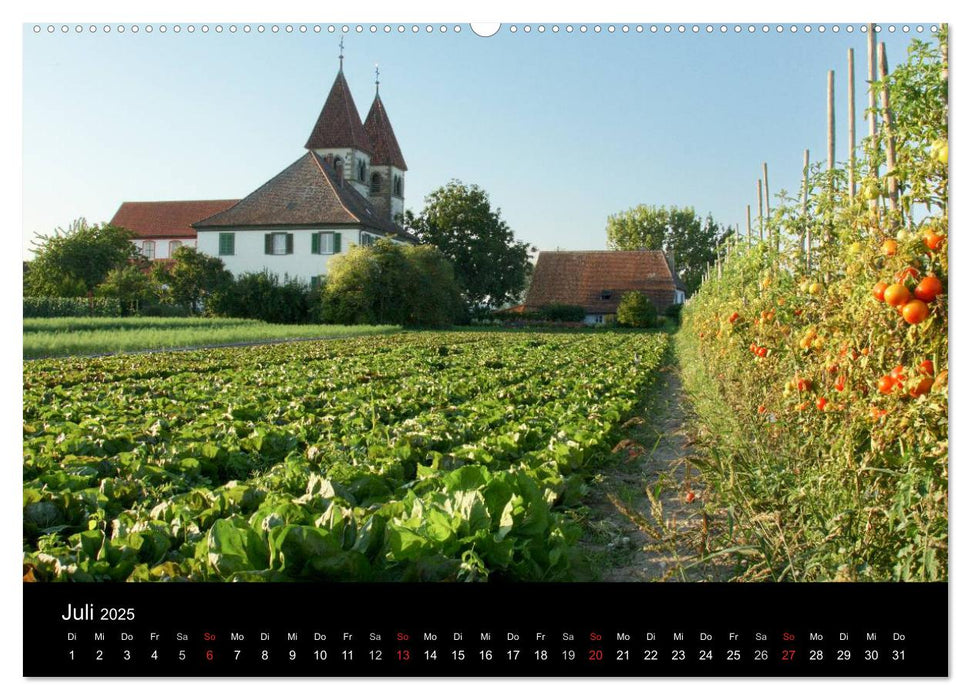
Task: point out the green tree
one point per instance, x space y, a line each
389 283
260 295
490 265
130 286
75 260
679 231
435 299
193 278
635 310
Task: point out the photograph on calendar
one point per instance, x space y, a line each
464 303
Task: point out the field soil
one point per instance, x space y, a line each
645 517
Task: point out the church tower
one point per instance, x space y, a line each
386 187
339 135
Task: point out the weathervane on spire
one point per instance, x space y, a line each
341 57
377 79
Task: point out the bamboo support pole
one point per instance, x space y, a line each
871 76
768 211
851 118
888 125
748 224
805 210
830 124
761 229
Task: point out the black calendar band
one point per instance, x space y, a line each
427 630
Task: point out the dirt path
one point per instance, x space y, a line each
644 519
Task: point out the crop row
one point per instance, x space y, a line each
406 457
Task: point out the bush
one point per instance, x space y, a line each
562 312
260 295
636 311
163 311
58 307
674 313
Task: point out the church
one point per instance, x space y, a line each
347 189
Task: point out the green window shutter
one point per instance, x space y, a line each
314 281
315 243
268 243
289 243
337 242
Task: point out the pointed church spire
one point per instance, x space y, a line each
384 145
339 124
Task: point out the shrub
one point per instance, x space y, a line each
163 311
562 312
636 311
674 313
260 295
58 307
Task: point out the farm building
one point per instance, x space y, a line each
347 189
597 279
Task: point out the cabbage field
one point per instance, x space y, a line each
414 456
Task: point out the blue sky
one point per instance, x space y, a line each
561 129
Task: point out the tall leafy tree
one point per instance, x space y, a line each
74 261
490 264
679 231
130 286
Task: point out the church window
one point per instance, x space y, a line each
339 167
227 243
369 239
278 244
174 246
375 183
362 171
398 185
148 249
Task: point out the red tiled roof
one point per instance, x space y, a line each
582 278
339 124
384 145
307 193
167 219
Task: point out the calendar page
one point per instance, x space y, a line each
438 349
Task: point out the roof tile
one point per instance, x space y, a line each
167 219
339 124
384 145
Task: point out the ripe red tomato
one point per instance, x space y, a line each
763 351
690 496
840 383
734 317
803 384
762 408
896 295
907 273
932 239
928 289
821 403
886 384
878 290
898 374
925 385
927 368
915 311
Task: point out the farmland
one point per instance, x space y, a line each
58 337
419 456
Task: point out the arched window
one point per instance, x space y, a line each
375 183
362 170
338 165
398 182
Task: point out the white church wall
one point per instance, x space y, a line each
249 254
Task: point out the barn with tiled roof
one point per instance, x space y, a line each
597 279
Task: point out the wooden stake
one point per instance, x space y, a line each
761 230
830 124
748 224
805 201
871 76
888 124
851 118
